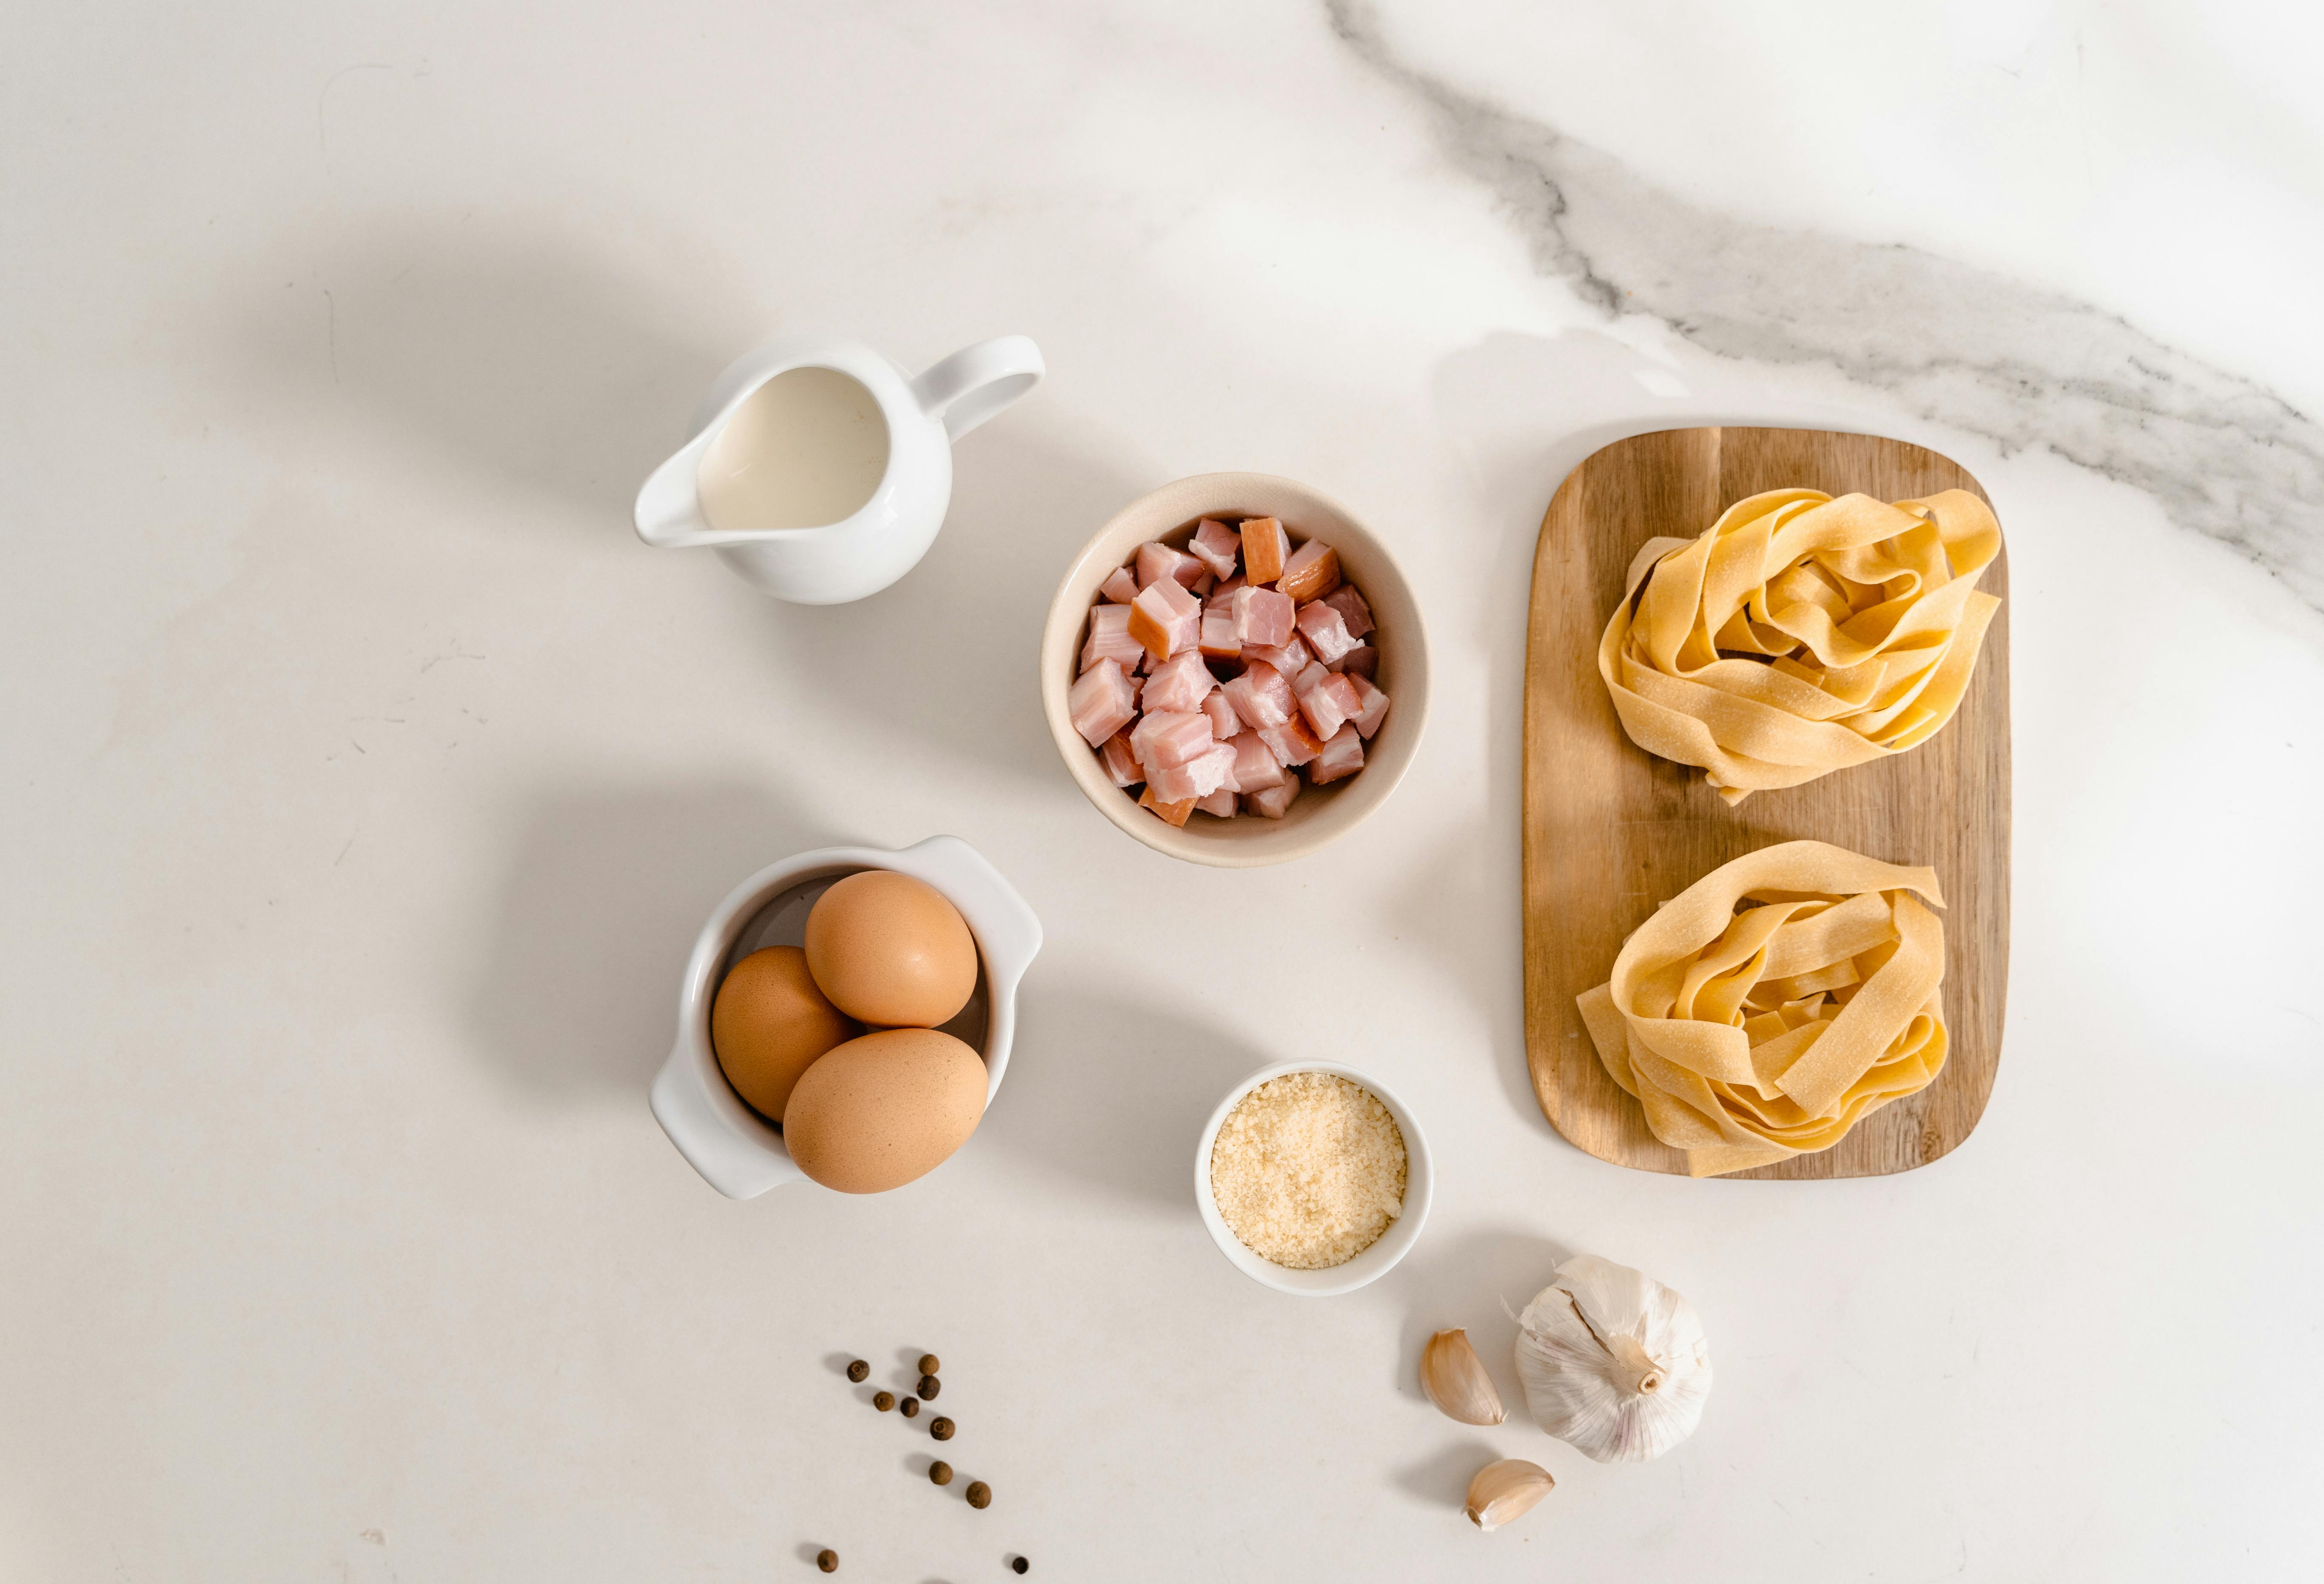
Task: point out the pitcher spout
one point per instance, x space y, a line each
669 505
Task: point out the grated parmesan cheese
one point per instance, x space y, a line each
1308 1170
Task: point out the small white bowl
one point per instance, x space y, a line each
737 1151
1419 1189
1319 814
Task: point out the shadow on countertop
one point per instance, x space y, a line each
946 658
1113 1093
1442 1479
1464 1282
605 891
1457 907
524 352
536 357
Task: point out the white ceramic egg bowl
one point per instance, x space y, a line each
1382 1257
738 1151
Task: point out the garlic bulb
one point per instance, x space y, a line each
1505 1490
1612 1362
1455 1380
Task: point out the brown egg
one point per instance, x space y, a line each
891 950
884 1109
770 1023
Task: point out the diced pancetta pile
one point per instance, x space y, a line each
1212 676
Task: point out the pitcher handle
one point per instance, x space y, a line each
977 382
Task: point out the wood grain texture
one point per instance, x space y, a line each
1611 831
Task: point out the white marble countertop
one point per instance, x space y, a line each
367 778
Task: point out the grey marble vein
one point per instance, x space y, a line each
1956 344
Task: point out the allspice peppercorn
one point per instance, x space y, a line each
883 1401
859 1371
828 1561
941 1428
928 1365
929 1386
1019 1565
940 1473
911 1407
980 1494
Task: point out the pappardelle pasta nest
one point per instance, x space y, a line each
1801 633
1749 1034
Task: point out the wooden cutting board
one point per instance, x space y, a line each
1611 831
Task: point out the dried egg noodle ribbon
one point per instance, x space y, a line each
1865 616
1751 1036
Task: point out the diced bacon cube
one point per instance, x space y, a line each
1331 700
1260 696
1344 699
1219 641
1225 722
1120 763
1198 777
1371 707
1272 802
1212 769
1174 813
1172 786
1288 661
1122 587
1264 547
1201 587
1224 592
1321 713
1362 661
1109 637
1099 702
1221 802
1156 561
1136 683
1349 603
1309 676
1179 683
1166 739
1343 756
1263 618
1325 630
1312 572
1188 636
1256 767
1162 610
1214 545
1291 743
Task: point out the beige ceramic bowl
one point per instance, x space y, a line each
1318 814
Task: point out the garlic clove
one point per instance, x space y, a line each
1455 1380
1506 1491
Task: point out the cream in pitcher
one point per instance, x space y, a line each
806 449
819 470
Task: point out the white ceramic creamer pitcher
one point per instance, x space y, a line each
841 395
